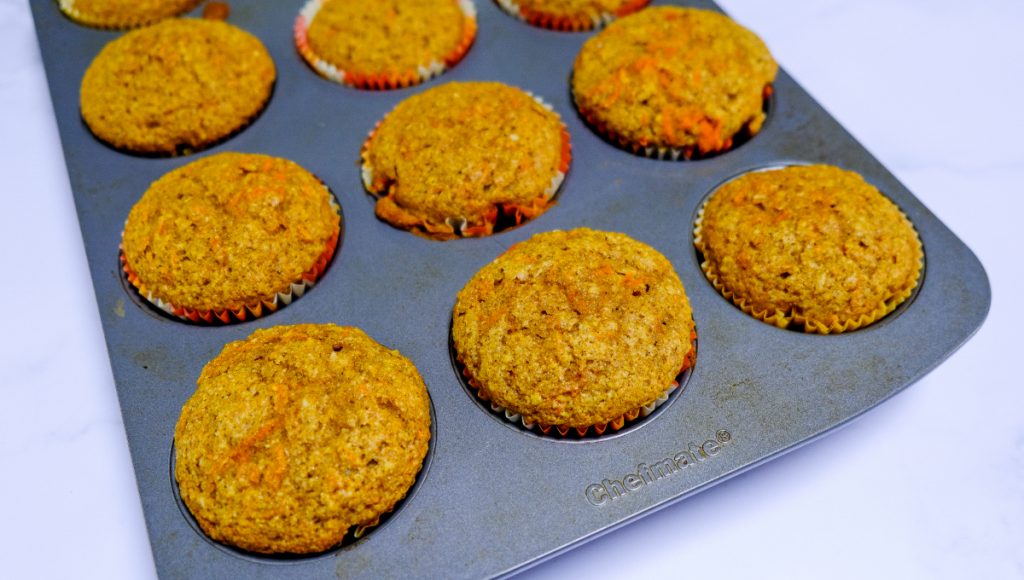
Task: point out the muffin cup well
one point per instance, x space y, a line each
381 81
67 7
792 318
563 23
667 153
500 217
566 431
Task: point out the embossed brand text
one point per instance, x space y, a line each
612 489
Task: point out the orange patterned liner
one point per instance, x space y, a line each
793 317
246 311
381 81
454 227
563 23
599 428
652 151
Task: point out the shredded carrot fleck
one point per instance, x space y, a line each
633 282
496 316
709 135
696 77
667 127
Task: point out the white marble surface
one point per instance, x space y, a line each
931 484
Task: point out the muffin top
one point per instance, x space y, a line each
390 37
176 86
571 14
679 78
816 246
229 230
574 328
454 158
298 433
124 13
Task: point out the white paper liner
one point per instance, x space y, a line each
305 19
644 411
511 7
296 290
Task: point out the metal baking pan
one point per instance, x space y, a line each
756 391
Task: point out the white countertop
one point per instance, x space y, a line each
930 484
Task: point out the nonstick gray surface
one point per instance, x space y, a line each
494 498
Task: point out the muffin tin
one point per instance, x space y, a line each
756 391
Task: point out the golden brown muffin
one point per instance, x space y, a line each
574 329
384 44
176 86
809 246
671 82
230 234
297 434
124 13
462 157
570 15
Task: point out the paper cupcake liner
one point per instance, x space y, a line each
598 428
658 152
563 23
381 81
458 226
787 319
246 311
69 10
360 530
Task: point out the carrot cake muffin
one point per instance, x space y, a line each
384 44
176 86
463 158
570 15
230 235
815 247
124 13
298 434
674 82
574 329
